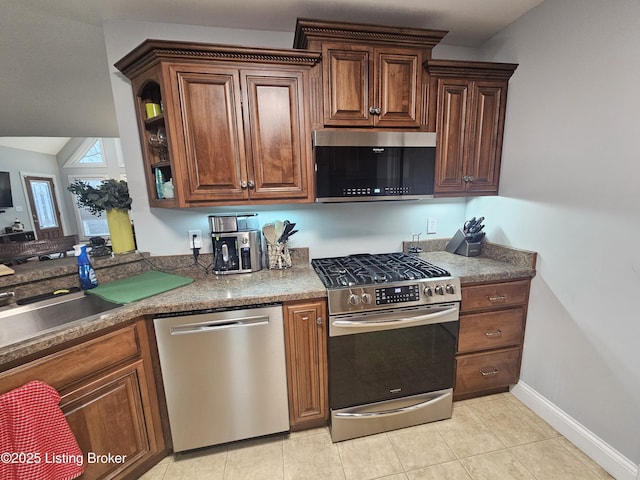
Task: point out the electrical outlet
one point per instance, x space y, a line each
432 225
195 238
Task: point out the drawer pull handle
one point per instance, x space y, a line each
497 298
487 373
493 333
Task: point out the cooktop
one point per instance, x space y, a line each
368 269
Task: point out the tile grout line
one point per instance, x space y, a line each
395 452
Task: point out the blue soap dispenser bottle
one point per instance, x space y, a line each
86 272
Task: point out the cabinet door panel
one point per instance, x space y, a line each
484 155
213 139
399 89
306 363
347 84
454 102
278 156
107 416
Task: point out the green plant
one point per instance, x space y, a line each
109 194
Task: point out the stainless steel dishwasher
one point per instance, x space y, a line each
224 374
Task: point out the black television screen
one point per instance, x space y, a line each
6 199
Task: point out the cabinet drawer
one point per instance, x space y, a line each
494 295
481 331
486 371
68 366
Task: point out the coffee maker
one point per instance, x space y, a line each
237 246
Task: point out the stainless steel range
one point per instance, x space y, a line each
393 329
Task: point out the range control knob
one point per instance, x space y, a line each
353 299
439 290
450 289
366 298
428 291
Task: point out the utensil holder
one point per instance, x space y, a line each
460 245
278 256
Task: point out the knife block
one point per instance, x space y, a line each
461 246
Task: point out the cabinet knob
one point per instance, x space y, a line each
319 320
251 184
375 110
468 178
243 184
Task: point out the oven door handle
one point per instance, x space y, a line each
394 411
402 321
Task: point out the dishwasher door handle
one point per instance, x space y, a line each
219 325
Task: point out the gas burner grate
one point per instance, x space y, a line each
366 269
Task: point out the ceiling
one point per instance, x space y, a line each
54 80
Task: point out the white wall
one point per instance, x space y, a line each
571 191
327 229
17 161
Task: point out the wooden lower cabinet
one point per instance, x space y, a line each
305 329
487 371
492 323
109 398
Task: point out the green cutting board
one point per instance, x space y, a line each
140 286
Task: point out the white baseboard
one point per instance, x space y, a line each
619 466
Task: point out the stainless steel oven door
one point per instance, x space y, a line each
392 369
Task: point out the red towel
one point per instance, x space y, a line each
35 439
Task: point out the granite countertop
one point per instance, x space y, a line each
478 269
208 291
266 286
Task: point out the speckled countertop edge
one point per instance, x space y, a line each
266 286
208 291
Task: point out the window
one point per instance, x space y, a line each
94 160
90 225
93 156
89 154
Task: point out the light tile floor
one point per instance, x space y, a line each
493 438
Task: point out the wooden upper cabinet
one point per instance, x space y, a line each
371 87
236 119
397 88
279 160
471 106
209 102
371 75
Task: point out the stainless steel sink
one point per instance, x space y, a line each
21 322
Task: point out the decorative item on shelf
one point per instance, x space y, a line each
159 183
159 143
277 235
153 109
17 226
113 197
167 189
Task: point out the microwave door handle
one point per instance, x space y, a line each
431 317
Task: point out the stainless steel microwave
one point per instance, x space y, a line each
355 166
